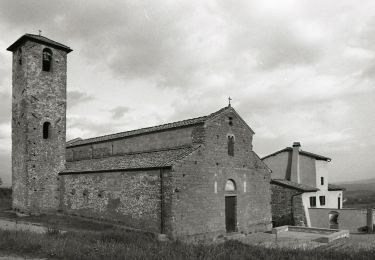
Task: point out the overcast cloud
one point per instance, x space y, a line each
296 70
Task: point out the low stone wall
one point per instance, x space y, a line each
354 220
327 235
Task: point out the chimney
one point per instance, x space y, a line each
294 175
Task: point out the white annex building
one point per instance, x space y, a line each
306 172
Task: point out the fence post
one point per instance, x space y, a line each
370 216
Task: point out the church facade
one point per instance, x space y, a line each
196 177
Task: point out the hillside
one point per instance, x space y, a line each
368 184
359 194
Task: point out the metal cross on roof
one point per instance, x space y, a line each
40 32
229 99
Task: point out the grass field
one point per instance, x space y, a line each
359 199
132 245
85 239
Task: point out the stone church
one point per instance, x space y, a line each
197 177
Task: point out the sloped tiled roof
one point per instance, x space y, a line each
183 123
332 187
294 185
290 149
73 140
130 161
40 39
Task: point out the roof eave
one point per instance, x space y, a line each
88 141
25 37
293 187
115 170
287 149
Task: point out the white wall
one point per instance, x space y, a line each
307 170
331 201
321 171
279 164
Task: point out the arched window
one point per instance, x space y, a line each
46 130
47 59
230 185
231 145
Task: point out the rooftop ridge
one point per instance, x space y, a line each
314 155
294 185
166 126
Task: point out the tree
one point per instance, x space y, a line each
1 182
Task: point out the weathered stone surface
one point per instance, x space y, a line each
182 167
170 138
287 207
196 207
184 201
133 198
145 160
38 97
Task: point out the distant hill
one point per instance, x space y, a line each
368 184
359 194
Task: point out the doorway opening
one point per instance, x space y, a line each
230 206
333 220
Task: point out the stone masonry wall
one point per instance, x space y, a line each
199 184
132 198
38 97
145 142
19 128
299 215
287 207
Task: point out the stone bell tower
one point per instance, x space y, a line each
38 122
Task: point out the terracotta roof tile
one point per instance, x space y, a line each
290 149
153 159
294 185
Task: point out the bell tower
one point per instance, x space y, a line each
38 122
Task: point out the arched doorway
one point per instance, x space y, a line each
230 206
333 220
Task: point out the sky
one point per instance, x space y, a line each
296 70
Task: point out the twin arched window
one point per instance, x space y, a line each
47 59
